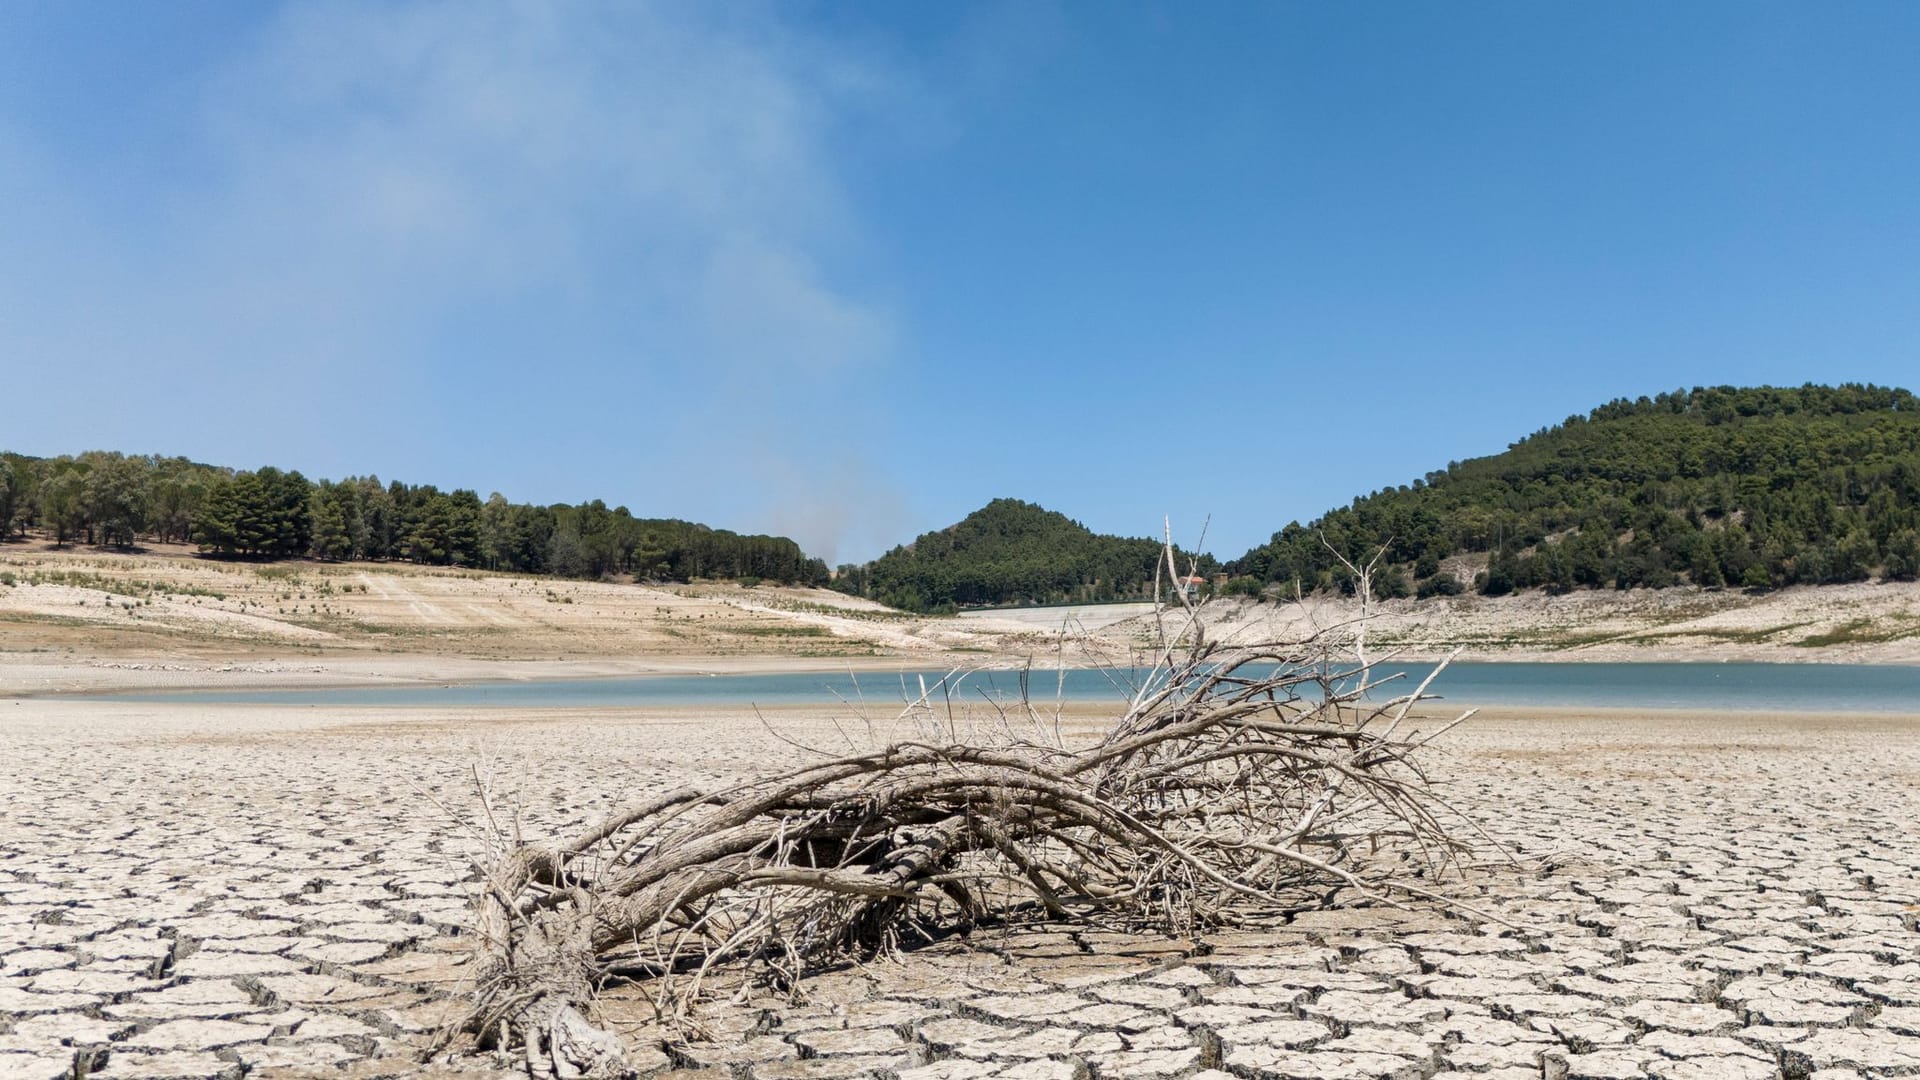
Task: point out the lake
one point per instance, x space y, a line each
1734 686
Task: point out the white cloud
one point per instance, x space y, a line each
760 301
648 187
449 152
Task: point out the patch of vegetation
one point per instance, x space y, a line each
1752 488
780 631
1559 640
851 649
1009 552
1861 631
862 614
119 586
100 497
1756 636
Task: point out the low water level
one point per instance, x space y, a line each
1745 687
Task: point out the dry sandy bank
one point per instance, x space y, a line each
76 619
1863 623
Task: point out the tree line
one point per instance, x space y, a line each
1009 552
1716 486
114 499
1757 487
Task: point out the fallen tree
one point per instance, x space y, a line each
1237 777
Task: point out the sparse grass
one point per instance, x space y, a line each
37 619
1683 613
756 630
1518 639
1566 640
1756 636
80 579
1861 631
138 588
816 608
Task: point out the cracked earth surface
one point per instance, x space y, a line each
194 891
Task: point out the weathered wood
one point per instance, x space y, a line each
1206 792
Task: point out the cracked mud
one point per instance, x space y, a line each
193 892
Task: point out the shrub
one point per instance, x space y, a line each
1245 585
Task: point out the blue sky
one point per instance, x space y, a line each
848 272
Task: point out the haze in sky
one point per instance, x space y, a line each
847 272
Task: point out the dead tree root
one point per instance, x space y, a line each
1235 777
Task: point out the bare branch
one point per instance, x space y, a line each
1238 776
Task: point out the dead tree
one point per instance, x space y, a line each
1238 777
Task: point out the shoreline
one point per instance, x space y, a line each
1441 709
32 676
109 675
78 622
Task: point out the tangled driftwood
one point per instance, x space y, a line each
1237 776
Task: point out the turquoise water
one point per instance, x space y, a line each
1750 687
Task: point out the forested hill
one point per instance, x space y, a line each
116 499
1008 552
1759 487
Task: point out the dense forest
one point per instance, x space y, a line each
116 499
1719 487
1008 552
1753 488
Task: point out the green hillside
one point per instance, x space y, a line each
1008 552
106 498
1759 487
